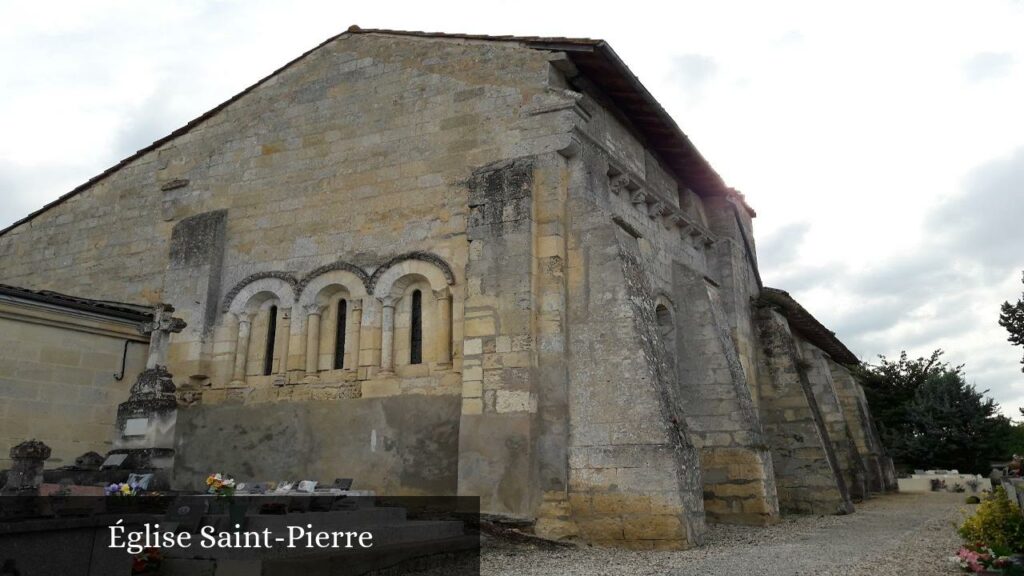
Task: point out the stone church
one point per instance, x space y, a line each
477 265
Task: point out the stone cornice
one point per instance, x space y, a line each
70 319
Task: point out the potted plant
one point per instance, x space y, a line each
994 536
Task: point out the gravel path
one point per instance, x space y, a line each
900 534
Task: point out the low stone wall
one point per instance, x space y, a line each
923 483
399 445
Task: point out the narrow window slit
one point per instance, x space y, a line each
339 335
268 356
416 329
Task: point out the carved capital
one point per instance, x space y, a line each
679 220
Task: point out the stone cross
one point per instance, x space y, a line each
159 331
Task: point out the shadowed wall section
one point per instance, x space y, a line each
401 445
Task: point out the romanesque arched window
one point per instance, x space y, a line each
416 314
340 326
268 355
666 329
258 312
416 328
332 303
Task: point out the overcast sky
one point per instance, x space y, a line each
882 144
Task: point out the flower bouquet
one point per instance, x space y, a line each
220 485
120 489
982 559
119 497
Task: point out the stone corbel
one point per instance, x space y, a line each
679 220
656 210
571 148
620 184
638 197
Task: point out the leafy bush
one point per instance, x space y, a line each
973 484
938 484
958 488
972 500
996 523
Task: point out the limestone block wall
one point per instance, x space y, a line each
550 439
739 483
855 411
59 379
394 445
497 430
851 465
634 474
353 153
733 263
306 190
807 470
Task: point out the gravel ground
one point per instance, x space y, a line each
899 534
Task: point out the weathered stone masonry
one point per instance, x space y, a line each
443 264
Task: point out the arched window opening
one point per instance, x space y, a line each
268 356
666 328
416 329
339 335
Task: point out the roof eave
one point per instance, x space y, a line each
807 326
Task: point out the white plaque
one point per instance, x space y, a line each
136 426
114 460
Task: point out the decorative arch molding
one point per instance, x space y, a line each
330 282
283 284
662 297
395 279
427 257
340 265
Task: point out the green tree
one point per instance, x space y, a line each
1015 439
1011 317
930 417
